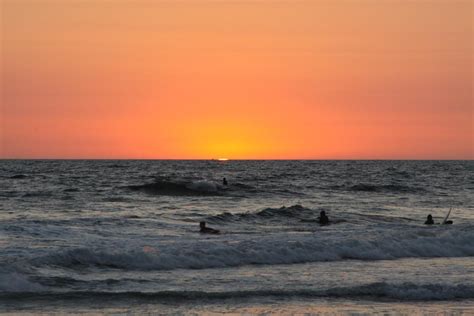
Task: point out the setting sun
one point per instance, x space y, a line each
198 157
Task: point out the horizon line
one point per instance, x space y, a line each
255 159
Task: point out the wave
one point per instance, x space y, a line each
243 186
394 291
270 250
163 187
18 176
387 188
193 188
295 211
71 190
14 282
112 166
37 194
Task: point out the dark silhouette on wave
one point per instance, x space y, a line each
323 218
71 190
18 176
429 220
203 229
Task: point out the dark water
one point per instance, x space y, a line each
127 231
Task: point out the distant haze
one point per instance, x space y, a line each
237 79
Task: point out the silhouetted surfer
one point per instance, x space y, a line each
323 219
429 220
207 230
224 181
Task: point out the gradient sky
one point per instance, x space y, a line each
324 79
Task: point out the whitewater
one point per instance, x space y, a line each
122 236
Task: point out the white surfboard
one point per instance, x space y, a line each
447 216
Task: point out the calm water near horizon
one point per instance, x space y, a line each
122 236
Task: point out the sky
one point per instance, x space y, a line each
240 79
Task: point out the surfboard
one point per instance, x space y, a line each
446 218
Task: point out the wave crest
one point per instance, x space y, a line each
269 250
401 291
380 188
164 187
295 211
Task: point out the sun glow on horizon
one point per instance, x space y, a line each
194 79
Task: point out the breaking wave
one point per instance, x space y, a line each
193 188
281 249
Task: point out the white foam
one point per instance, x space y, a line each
203 186
227 251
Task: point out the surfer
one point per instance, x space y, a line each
323 219
429 220
445 220
207 230
224 181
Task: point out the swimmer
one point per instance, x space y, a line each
207 230
429 220
323 219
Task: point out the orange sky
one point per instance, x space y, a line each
322 79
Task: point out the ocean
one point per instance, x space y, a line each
122 237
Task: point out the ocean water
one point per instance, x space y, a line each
123 237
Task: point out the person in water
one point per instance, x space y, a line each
429 220
207 230
224 181
323 219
